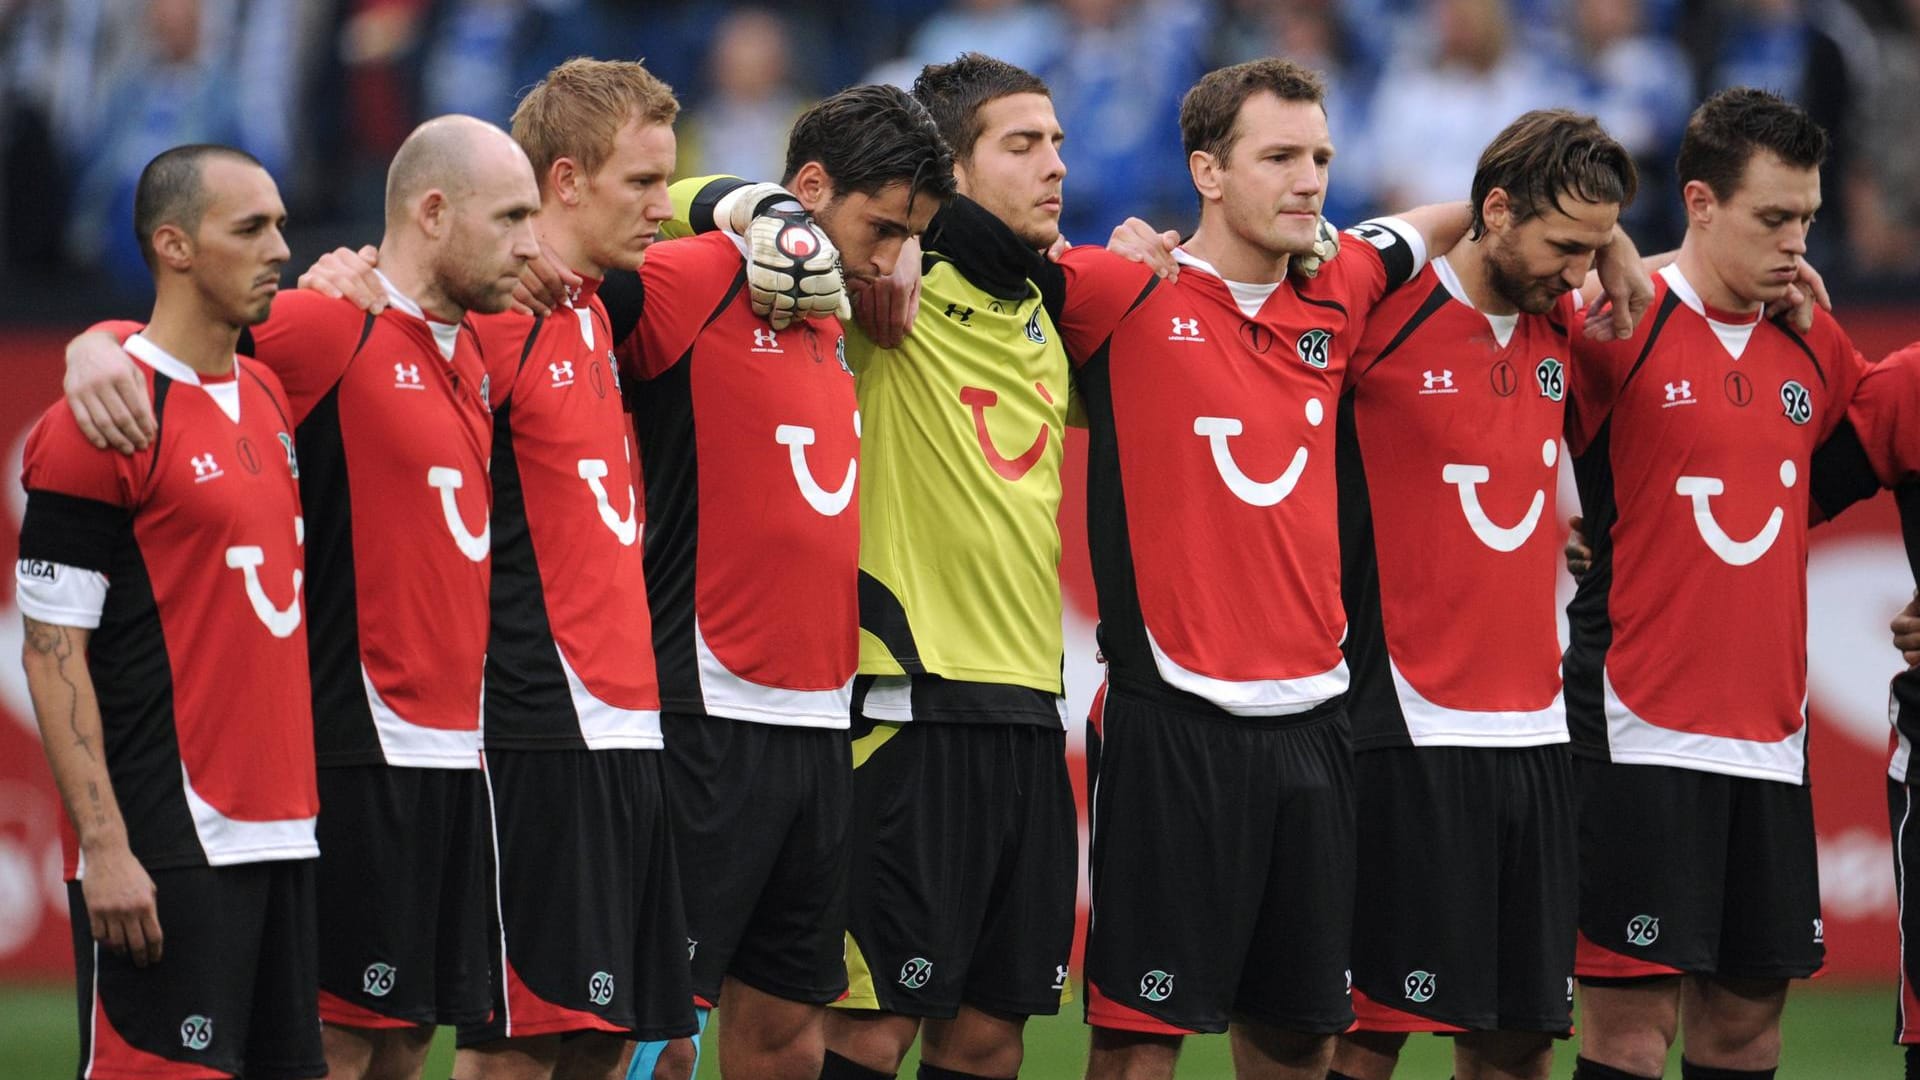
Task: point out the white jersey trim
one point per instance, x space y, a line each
74 597
228 841
225 392
416 746
609 727
1437 725
1254 697
1902 758
1633 741
726 694
890 699
1733 336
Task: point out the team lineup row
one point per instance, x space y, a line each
799 743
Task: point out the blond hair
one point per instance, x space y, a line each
581 105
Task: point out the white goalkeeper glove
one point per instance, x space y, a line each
793 270
1326 244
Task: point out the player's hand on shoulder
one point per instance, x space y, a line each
545 284
1626 291
122 904
348 275
1136 241
1326 244
1906 632
886 308
793 270
107 394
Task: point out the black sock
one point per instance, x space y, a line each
1585 1069
836 1067
1913 1063
935 1072
1690 1071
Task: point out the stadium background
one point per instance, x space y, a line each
323 90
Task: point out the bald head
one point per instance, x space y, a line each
452 154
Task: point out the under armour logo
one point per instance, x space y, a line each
205 469
1819 932
1679 393
1437 382
963 315
407 377
562 373
1060 976
1185 330
765 340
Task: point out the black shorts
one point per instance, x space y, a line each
965 865
234 989
1903 816
406 897
592 927
1690 872
1222 869
1467 889
759 817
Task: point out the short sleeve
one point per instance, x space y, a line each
694 200
1885 413
307 342
686 282
1100 289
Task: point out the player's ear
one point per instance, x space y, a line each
173 247
1700 201
812 186
565 178
431 212
1205 170
1497 209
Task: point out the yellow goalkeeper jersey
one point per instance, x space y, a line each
960 451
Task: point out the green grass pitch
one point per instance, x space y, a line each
1833 1032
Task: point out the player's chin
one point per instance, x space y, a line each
1541 300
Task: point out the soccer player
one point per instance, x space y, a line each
961 912
572 724
392 417
166 656
1449 439
1876 446
1686 676
750 437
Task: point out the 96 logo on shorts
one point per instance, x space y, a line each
378 979
196 1032
1156 985
1420 986
1643 930
600 988
915 972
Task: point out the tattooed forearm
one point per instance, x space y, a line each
48 640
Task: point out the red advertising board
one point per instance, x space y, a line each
1858 578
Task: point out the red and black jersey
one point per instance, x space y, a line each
1878 445
1449 447
394 430
750 442
1691 446
1210 489
198 652
570 654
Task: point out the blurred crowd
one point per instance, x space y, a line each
322 91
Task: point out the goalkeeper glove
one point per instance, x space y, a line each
1326 244
793 270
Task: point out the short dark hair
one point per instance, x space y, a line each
869 137
1209 111
171 192
1729 127
955 92
1547 155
